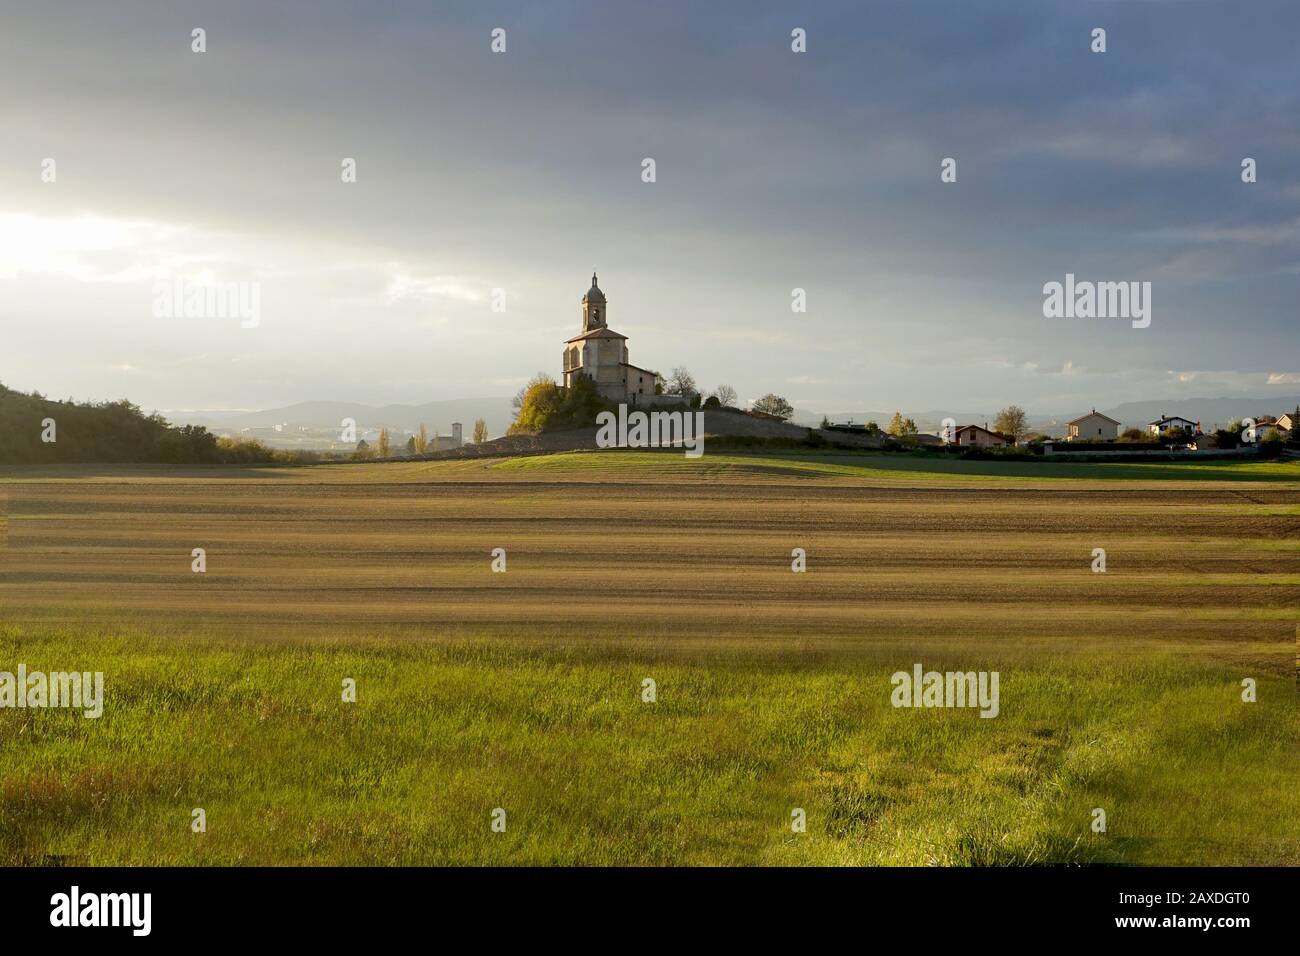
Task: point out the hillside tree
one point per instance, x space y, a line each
680 382
774 405
550 407
540 378
726 396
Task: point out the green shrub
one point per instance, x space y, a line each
547 406
116 432
241 451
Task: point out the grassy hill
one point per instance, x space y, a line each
35 430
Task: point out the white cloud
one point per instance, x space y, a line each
403 286
1227 379
87 248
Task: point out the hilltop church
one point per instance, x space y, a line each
600 353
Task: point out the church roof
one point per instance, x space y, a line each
601 333
594 294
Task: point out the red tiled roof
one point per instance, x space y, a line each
986 431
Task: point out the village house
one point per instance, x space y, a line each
977 437
1168 423
1092 427
600 353
1268 427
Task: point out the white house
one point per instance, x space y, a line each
979 437
1167 423
1092 427
1267 427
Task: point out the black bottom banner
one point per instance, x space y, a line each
334 905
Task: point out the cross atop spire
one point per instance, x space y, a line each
594 294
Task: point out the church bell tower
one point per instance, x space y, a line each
593 308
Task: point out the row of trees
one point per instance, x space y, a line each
1011 422
682 382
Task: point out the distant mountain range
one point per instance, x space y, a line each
498 413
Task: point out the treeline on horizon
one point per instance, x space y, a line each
111 432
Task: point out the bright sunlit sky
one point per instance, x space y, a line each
775 170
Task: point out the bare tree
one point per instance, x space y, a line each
422 440
680 382
726 396
383 443
480 432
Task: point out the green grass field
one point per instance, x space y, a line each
523 690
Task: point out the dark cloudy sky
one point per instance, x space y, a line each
776 170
